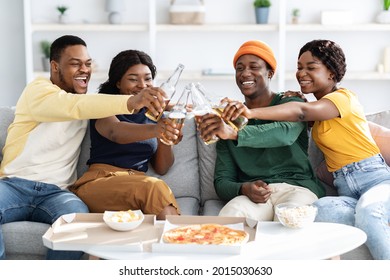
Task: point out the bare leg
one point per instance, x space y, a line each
168 210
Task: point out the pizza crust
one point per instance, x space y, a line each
206 234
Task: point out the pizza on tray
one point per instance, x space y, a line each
215 234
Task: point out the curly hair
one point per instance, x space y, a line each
330 54
120 64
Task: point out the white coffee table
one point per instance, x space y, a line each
273 242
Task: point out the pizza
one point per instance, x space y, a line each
215 234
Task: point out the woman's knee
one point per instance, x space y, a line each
336 209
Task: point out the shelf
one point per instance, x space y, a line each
159 27
218 27
89 27
209 27
336 27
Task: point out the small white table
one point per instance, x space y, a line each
273 242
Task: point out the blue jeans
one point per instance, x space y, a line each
24 200
364 202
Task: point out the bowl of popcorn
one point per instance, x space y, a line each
295 216
123 220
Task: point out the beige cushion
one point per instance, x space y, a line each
381 136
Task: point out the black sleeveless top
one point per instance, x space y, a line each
133 156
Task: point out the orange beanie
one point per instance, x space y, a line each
259 49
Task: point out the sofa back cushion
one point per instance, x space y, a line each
7 115
84 154
207 157
183 176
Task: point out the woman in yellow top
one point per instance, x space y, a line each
341 131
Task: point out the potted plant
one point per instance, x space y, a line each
296 13
384 15
262 10
62 16
45 49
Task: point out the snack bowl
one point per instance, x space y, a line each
293 215
123 220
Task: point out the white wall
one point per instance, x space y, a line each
210 49
12 74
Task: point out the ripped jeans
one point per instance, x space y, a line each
364 202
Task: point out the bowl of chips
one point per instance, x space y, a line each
293 215
123 220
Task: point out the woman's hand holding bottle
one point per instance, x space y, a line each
168 131
234 110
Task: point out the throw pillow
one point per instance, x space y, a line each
381 136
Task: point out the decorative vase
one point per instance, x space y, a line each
262 15
62 18
383 17
115 8
115 18
295 20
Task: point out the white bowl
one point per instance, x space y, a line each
295 216
109 219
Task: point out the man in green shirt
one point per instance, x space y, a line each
266 163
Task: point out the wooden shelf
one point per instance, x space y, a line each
336 27
41 27
218 27
89 27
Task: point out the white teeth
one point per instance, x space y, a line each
81 78
247 83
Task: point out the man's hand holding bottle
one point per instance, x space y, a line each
152 98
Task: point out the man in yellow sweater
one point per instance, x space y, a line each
43 142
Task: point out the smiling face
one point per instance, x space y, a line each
313 76
252 76
73 70
135 79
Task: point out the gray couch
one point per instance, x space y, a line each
191 180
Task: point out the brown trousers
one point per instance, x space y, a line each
105 187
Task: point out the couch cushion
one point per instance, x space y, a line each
211 207
84 154
381 136
6 117
207 156
359 253
188 205
23 240
183 176
380 130
381 118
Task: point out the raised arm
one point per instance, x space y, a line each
320 110
124 132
